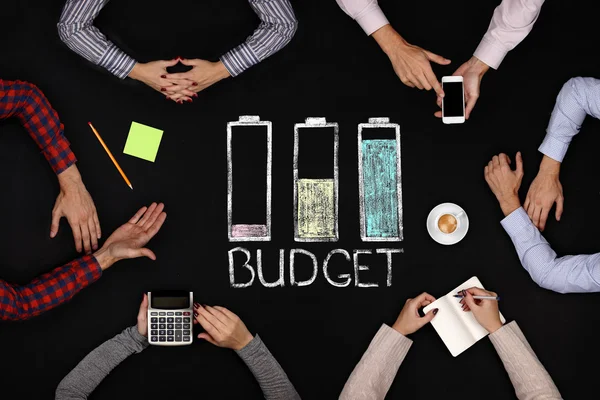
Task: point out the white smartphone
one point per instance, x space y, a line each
453 103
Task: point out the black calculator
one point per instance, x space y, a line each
170 318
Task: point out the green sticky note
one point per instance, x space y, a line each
143 141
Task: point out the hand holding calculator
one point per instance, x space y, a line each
170 318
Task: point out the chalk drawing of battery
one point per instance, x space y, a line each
249 142
380 181
316 181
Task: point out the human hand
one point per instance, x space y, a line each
411 63
202 75
409 320
223 328
505 182
472 72
142 318
75 203
128 240
545 190
485 311
154 74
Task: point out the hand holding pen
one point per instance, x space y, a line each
484 310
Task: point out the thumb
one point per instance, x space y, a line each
469 300
519 164
169 63
56 216
185 61
428 317
208 338
144 252
436 59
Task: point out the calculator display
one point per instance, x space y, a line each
170 302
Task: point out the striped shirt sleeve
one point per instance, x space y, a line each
77 31
578 98
277 27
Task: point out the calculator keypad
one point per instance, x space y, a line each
170 327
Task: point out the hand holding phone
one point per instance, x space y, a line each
453 103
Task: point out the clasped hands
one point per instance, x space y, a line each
179 87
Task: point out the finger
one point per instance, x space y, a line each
424 81
475 291
232 316
180 75
436 58
208 338
424 297
189 93
85 235
138 215
55 223
438 101
559 207
168 63
519 163
143 307
172 89
147 214
428 317
536 216
471 101
496 160
214 321
93 233
144 252
527 201
206 324
469 300
218 315
435 84
504 160
154 216
76 236
97 224
192 62
153 230
438 114
544 218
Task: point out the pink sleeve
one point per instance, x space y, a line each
366 12
511 23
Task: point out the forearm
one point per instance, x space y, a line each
376 370
578 98
77 31
277 27
88 374
270 376
527 374
511 23
48 291
568 274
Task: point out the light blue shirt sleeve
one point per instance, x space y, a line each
577 98
568 274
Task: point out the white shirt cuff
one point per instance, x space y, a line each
490 52
553 148
514 222
372 19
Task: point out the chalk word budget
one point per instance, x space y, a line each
315 195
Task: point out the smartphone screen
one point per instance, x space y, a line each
453 99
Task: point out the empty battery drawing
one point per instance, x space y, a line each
249 158
379 181
316 181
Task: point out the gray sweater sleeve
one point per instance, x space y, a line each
88 374
270 376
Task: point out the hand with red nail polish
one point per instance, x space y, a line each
202 75
409 321
155 75
223 328
485 311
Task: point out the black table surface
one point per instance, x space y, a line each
331 68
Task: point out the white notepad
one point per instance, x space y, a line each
459 330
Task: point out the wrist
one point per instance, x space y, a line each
494 327
69 177
549 166
104 258
400 329
510 204
477 65
389 40
244 342
220 71
136 71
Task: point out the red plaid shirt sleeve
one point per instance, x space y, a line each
26 102
49 290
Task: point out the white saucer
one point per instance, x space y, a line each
447 238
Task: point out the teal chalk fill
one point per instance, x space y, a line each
380 187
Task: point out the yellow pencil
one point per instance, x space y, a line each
110 155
